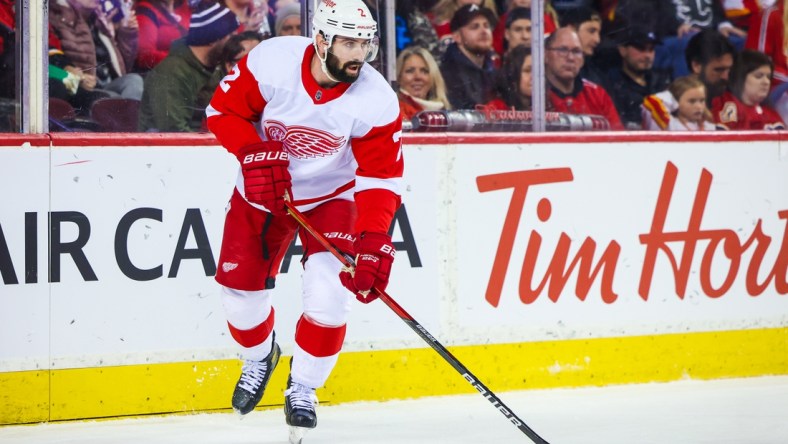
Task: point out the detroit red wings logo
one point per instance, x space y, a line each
303 142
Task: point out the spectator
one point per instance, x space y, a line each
767 35
587 23
101 50
443 12
741 12
237 46
743 107
568 92
710 56
515 83
689 113
659 15
161 22
65 78
253 15
677 21
518 28
421 85
414 27
172 87
702 15
550 22
634 79
288 20
707 14
468 66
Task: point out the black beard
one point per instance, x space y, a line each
716 89
215 55
340 73
713 89
639 72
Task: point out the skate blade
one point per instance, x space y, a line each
297 434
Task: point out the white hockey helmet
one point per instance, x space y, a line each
346 18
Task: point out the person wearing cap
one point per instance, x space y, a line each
288 20
468 65
635 78
169 100
441 13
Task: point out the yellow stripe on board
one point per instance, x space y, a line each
24 397
37 396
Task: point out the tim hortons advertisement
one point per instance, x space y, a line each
622 239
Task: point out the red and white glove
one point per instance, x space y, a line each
374 256
266 179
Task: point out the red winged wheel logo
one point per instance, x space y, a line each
304 142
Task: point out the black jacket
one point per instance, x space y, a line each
467 85
628 95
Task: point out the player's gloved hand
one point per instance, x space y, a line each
266 179
374 256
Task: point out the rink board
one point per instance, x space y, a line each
543 261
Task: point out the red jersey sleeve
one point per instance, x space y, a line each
380 167
236 105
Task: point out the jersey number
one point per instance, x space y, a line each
232 75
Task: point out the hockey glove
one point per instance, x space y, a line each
374 256
266 179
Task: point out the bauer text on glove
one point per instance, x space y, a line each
266 179
374 256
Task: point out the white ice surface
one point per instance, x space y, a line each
731 411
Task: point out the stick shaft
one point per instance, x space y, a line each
421 331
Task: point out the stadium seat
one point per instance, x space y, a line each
116 114
61 110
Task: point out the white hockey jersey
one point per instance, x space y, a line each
341 140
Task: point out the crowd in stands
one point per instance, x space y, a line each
641 64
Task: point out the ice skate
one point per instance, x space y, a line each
254 378
300 414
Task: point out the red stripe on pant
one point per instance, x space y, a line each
319 340
255 335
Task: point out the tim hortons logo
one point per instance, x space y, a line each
303 142
751 257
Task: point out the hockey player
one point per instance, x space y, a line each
309 121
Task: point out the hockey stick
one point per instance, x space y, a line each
421 331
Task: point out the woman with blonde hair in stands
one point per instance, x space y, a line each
421 85
687 103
